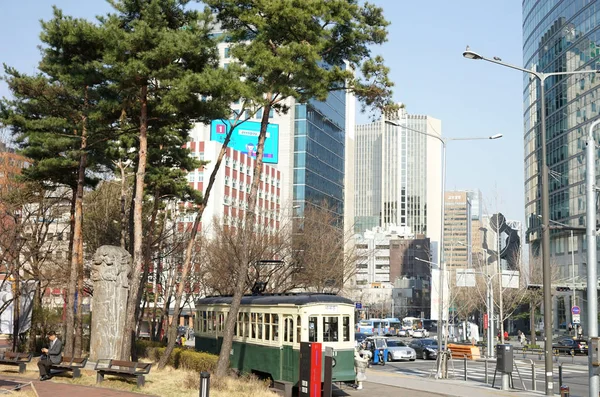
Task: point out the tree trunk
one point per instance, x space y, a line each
36 308
147 257
123 202
78 347
77 258
138 257
187 262
248 229
157 281
69 259
130 217
172 335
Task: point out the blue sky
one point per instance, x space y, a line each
424 52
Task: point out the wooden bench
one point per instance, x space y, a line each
128 369
461 351
20 359
73 364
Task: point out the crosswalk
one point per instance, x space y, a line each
476 371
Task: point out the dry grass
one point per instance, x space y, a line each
169 382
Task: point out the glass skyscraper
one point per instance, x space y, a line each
319 152
558 36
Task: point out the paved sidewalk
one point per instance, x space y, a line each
380 382
55 389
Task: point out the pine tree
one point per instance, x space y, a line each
60 121
164 65
303 50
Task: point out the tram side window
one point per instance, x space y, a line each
313 329
288 333
260 325
346 328
298 329
275 320
246 325
253 321
221 323
330 329
211 321
203 321
239 325
268 326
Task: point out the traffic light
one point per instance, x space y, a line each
534 287
560 289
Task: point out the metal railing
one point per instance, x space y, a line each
487 369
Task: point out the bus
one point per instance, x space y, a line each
379 326
411 322
269 329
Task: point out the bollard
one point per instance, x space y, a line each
465 367
564 391
204 384
560 377
533 375
486 371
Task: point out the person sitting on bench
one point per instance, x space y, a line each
51 355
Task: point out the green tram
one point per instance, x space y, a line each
269 330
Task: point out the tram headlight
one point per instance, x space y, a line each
333 362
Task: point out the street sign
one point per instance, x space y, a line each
575 310
576 318
358 305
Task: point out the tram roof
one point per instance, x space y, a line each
276 299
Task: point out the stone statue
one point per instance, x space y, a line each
110 272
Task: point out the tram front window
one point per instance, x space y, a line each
330 325
313 330
346 329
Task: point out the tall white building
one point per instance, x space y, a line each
398 176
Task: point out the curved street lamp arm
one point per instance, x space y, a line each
439 138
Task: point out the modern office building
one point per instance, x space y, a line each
393 265
457 230
398 176
558 36
373 254
228 199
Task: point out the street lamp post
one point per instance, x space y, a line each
545 190
441 267
572 240
592 277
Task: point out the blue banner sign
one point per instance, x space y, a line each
245 138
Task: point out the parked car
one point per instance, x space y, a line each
425 348
405 332
571 346
420 333
398 350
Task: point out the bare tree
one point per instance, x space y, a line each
34 225
324 260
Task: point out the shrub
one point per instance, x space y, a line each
197 361
146 348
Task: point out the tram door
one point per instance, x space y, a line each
288 364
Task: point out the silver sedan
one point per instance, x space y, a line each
398 350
